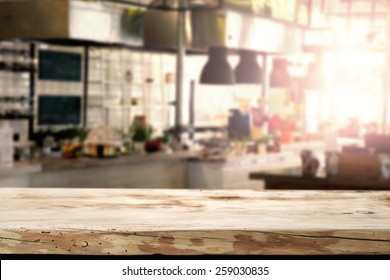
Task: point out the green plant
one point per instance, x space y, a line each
163 139
140 132
70 133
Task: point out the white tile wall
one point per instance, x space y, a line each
128 75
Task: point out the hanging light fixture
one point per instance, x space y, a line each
280 78
217 69
248 70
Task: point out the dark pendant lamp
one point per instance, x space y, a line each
280 78
248 70
217 70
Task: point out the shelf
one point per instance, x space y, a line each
121 83
95 81
14 51
95 106
15 71
342 48
15 117
17 67
106 82
199 129
13 99
210 128
113 106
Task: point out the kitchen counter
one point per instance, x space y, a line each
14 169
54 164
233 172
158 170
188 222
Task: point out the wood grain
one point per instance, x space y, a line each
188 222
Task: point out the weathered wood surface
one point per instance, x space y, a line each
135 221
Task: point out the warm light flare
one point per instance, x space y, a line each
354 85
360 106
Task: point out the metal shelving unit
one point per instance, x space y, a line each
16 102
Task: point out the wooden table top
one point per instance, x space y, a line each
187 222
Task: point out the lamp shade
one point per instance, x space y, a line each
280 78
248 70
217 69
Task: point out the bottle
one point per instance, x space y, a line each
331 164
385 166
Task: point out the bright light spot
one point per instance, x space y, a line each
354 86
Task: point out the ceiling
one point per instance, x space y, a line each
171 2
340 7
